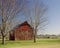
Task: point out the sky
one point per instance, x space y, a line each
53 14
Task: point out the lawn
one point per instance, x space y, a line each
41 43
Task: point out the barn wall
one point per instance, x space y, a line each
24 33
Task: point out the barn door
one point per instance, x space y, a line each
12 35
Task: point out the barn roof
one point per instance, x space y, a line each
24 23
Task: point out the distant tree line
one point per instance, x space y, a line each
48 36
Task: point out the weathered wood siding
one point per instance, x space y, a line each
23 32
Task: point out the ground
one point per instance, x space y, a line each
41 43
39 46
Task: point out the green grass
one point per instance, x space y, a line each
29 42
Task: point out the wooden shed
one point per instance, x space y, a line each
22 32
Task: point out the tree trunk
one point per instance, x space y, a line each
34 36
34 39
3 40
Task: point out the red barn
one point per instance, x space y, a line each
22 32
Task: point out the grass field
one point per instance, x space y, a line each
41 43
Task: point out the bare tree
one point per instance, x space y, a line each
35 16
8 10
